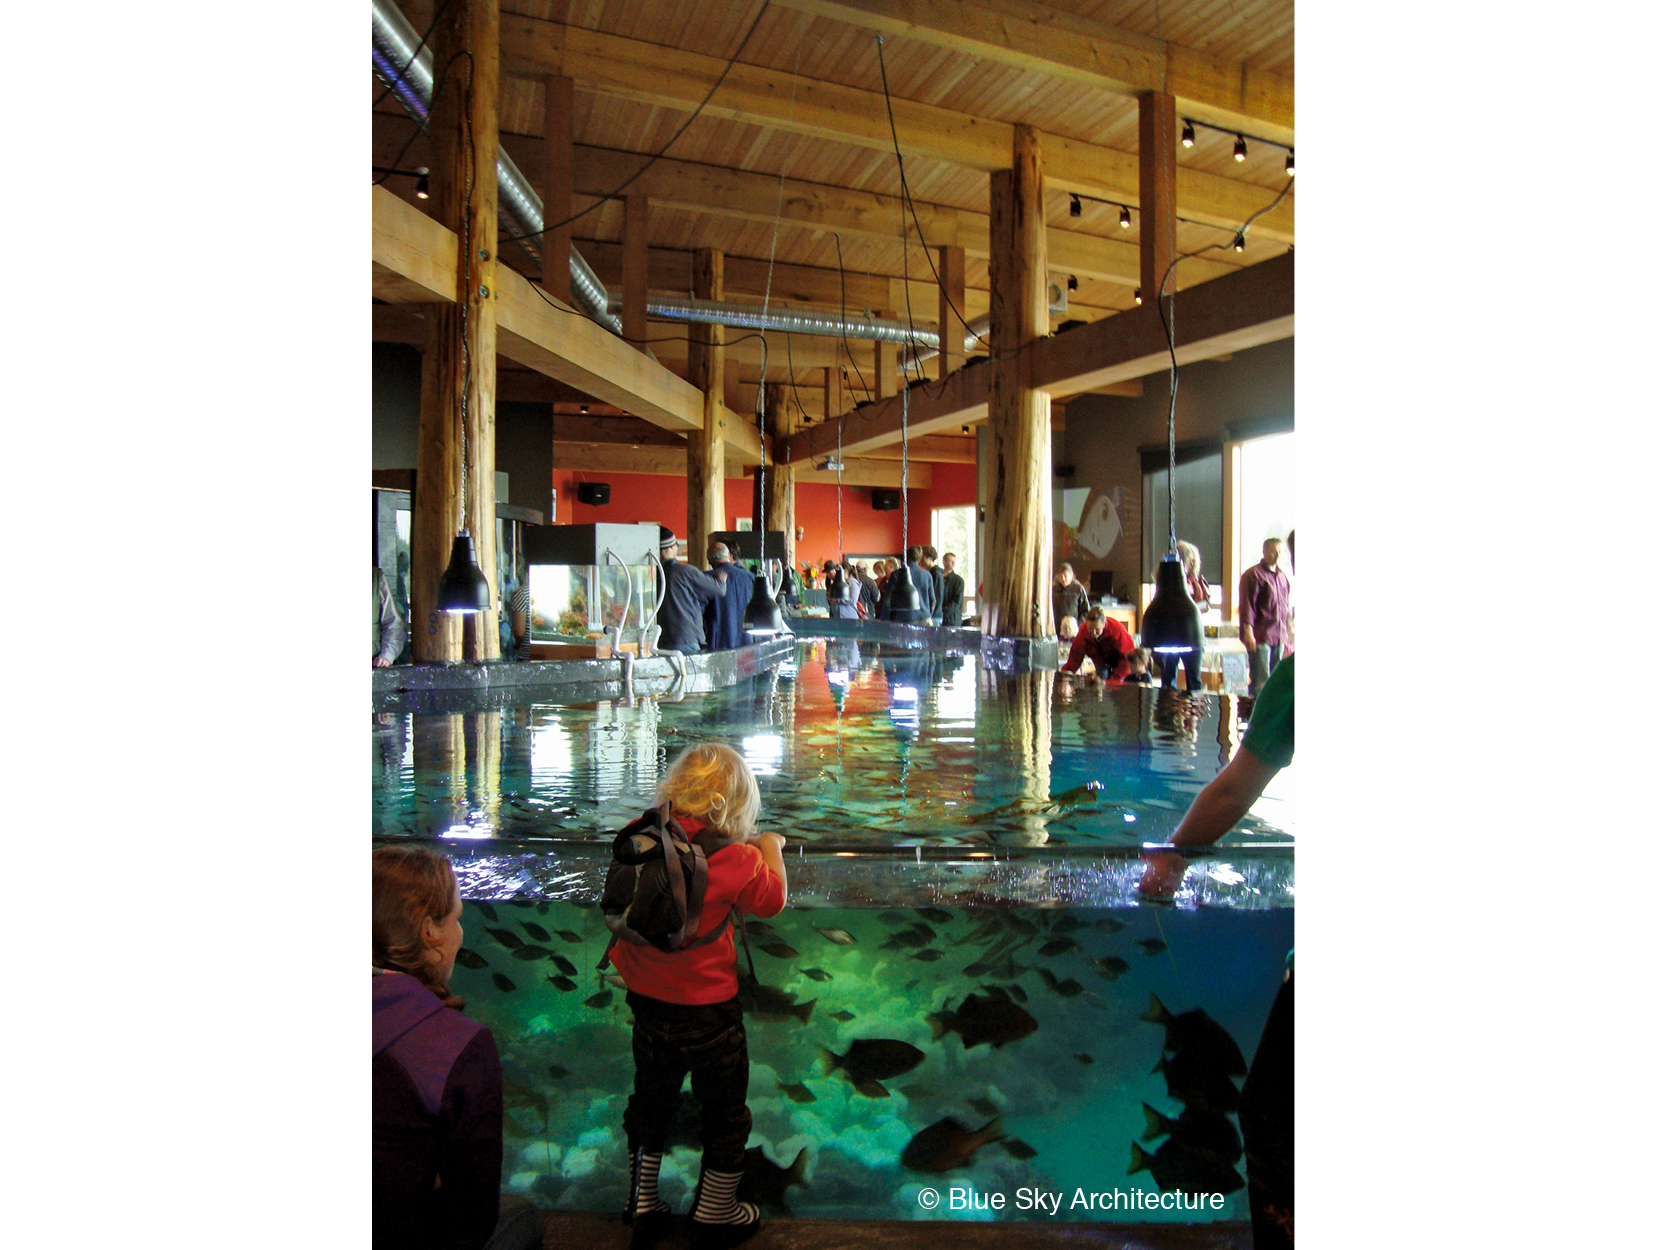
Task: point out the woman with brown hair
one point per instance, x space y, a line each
437 1107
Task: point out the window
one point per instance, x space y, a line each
1197 513
956 530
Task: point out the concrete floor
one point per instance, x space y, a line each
564 1230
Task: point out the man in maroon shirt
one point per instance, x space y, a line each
1105 642
1264 613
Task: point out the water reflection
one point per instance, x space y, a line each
858 745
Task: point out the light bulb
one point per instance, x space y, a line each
1290 164
1137 295
1123 217
1071 283
1188 136
422 183
1076 207
1238 242
1238 148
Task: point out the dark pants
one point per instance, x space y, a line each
1264 658
1191 660
709 1045
1267 1114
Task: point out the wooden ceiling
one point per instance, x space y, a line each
633 73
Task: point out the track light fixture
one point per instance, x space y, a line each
1240 142
1238 241
1290 164
1071 283
1076 206
1123 217
422 183
1137 295
1189 136
1239 148
420 174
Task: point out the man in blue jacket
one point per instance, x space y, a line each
726 616
896 601
688 591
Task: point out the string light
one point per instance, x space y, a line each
1123 217
1076 206
1188 135
1239 148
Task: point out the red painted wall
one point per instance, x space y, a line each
664 498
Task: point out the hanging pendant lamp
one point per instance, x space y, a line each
764 617
1171 624
463 588
901 595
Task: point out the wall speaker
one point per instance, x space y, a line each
887 499
595 493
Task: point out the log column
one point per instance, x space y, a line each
952 268
706 374
556 244
455 380
634 315
1157 190
778 498
1021 522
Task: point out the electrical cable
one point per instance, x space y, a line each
415 53
844 333
666 147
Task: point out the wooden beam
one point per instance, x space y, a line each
634 268
413 258
1020 513
618 431
1035 36
454 491
938 449
885 370
952 309
672 462
778 498
706 374
656 74
556 242
1157 190
1256 305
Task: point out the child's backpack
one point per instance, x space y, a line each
656 885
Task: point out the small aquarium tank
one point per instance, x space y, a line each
584 580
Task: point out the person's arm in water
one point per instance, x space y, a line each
1079 648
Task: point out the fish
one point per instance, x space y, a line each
567 935
983 1018
1198 1085
1111 967
912 939
1058 946
1109 925
1153 946
506 938
1200 1130
601 999
1194 1033
928 956
503 982
487 910
1070 987
1018 993
1048 978
984 1106
536 930
839 937
1000 991
543 909
778 948
872 1060
564 984
936 915
1018 1149
1066 924
771 1005
842 1015
469 959
1175 1166
1083 1058
797 1092
893 917
816 974
759 929
530 952
557 1072
764 1183
564 965
976 970
947 1145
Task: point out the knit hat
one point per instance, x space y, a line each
667 538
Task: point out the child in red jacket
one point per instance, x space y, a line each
687 1007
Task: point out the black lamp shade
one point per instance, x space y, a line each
462 586
901 595
1172 622
763 615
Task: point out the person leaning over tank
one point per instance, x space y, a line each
687 1008
437 1107
1070 597
1105 642
688 591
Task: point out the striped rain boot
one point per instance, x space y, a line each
648 1214
717 1220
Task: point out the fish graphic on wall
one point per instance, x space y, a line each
1101 524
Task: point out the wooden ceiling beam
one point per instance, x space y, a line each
1034 36
1253 306
673 462
654 74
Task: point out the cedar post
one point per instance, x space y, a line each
706 448
952 268
885 370
1157 190
556 243
830 392
635 277
1021 522
455 382
778 499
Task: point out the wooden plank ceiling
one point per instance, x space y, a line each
718 181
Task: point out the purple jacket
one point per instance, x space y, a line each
1265 603
437 1111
